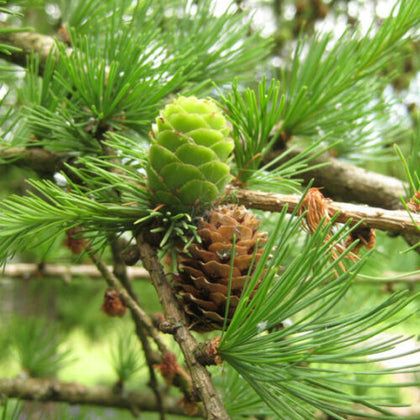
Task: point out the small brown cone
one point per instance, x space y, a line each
202 284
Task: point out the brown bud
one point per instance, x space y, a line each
413 203
190 407
113 305
75 241
174 374
207 354
168 367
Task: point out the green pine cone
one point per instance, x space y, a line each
189 157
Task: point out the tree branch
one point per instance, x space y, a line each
27 43
357 184
135 309
396 221
73 393
120 271
141 320
201 379
345 182
150 359
35 158
341 181
26 270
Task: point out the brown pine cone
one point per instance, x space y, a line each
203 280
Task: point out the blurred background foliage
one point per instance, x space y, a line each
83 343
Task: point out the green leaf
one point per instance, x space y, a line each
254 118
125 356
191 32
11 410
36 344
108 198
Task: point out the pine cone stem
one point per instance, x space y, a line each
201 379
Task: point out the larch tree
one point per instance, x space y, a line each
175 141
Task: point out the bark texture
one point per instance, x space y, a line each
27 42
73 393
65 272
343 181
394 221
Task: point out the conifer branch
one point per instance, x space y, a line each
36 158
346 182
73 393
65 272
98 102
135 309
119 267
25 43
396 221
120 271
201 379
339 180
